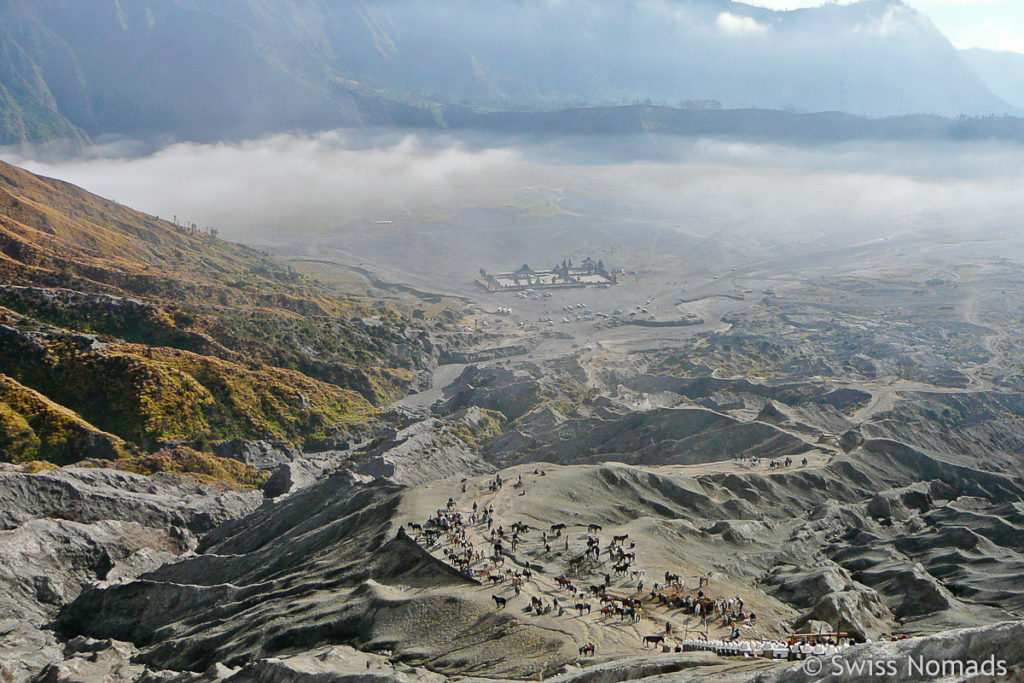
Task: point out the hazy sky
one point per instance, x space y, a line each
991 24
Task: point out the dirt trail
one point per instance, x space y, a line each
814 459
989 341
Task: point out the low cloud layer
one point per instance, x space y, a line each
464 197
285 182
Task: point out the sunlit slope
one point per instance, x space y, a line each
161 334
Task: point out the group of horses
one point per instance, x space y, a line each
786 462
615 550
623 607
461 553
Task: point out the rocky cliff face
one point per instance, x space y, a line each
66 530
421 452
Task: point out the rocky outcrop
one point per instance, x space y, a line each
512 393
25 650
259 454
86 495
828 594
70 529
859 612
289 477
901 503
423 451
46 562
86 660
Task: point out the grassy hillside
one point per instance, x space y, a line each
122 334
32 427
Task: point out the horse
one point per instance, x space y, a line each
588 649
653 640
557 528
582 607
593 528
563 581
620 539
496 579
499 602
622 568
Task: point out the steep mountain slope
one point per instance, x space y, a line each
873 57
28 110
213 70
1001 72
123 332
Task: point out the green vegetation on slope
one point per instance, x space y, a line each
32 427
154 335
184 460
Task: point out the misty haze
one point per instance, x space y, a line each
585 340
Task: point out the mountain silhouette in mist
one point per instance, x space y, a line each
207 71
